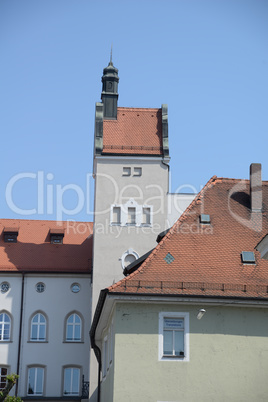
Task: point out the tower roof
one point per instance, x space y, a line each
136 131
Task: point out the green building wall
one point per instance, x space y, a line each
228 351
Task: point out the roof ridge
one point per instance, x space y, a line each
169 233
139 108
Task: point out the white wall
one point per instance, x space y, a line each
56 302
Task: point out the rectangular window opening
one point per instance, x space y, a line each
131 216
116 218
126 171
173 336
173 343
3 377
137 171
205 219
146 216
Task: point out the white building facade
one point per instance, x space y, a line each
44 314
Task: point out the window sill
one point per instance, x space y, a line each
169 358
66 341
174 356
36 341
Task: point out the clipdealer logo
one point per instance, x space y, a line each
50 198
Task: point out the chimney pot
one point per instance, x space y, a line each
255 187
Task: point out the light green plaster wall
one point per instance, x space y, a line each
107 383
228 356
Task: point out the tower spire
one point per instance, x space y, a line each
111 55
109 95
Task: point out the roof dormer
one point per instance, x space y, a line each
10 235
56 236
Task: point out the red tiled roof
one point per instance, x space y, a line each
135 131
34 252
207 258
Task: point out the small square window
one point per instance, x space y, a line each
126 171
248 257
56 238
205 219
137 171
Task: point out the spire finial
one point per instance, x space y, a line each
111 54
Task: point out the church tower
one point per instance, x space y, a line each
131 172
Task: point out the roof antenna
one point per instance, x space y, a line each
111 54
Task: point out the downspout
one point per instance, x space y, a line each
20 331
95 321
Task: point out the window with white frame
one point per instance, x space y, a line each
116 216
5 327
71 385
35 381
38 328
3 377
73 328
131 216
128 257
174 336
146 216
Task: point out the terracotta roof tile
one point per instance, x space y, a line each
136 131
207 258
34 252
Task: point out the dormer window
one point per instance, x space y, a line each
56 236
10 235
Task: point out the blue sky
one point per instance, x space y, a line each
207 59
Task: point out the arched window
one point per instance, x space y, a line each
38 328
5 326
73 328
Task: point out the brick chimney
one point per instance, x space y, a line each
255 187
